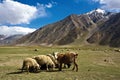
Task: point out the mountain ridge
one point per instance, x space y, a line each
64 32
108 33
9 40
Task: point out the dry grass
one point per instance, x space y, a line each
101 63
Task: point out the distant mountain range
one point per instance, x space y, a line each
95 27
9 40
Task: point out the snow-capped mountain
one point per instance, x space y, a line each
70 29
100 11
98 14
97 26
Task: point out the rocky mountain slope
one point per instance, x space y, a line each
108 33
2 37
81 28
60 33
99 15
8 40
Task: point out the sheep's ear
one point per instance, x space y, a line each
76 54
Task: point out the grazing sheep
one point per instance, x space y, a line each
56 54
45 60
67 58
53 59
30 63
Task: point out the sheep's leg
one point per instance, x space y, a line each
47 67
64 66
22 68
60 67
27 69
52 67
69 65
73 67
76 66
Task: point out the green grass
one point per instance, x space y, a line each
95 63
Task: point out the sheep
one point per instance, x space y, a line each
56 54
30 63
45 60
53 59
67 58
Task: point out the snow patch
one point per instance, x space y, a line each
100 11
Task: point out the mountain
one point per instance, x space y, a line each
74 29
62 32
99 15
108 33
2 37
8 40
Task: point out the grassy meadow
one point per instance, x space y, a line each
95 63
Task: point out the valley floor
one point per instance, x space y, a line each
95 63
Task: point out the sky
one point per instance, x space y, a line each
25 16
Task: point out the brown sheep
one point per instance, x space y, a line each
30 63
67 58
56 54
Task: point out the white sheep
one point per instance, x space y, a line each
30 63
55 54
53 59
45 60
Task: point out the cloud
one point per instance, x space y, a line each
111 5
49 5
13 12
12 30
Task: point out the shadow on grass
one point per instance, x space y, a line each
18 72
53 71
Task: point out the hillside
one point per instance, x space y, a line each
97 26
60 33
108 33
9 40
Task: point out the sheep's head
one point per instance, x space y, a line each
55 54
75 54
37 67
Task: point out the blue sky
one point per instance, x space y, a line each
60 9
24 16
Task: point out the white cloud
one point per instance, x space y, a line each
12 30
112 5
49 5
13 12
